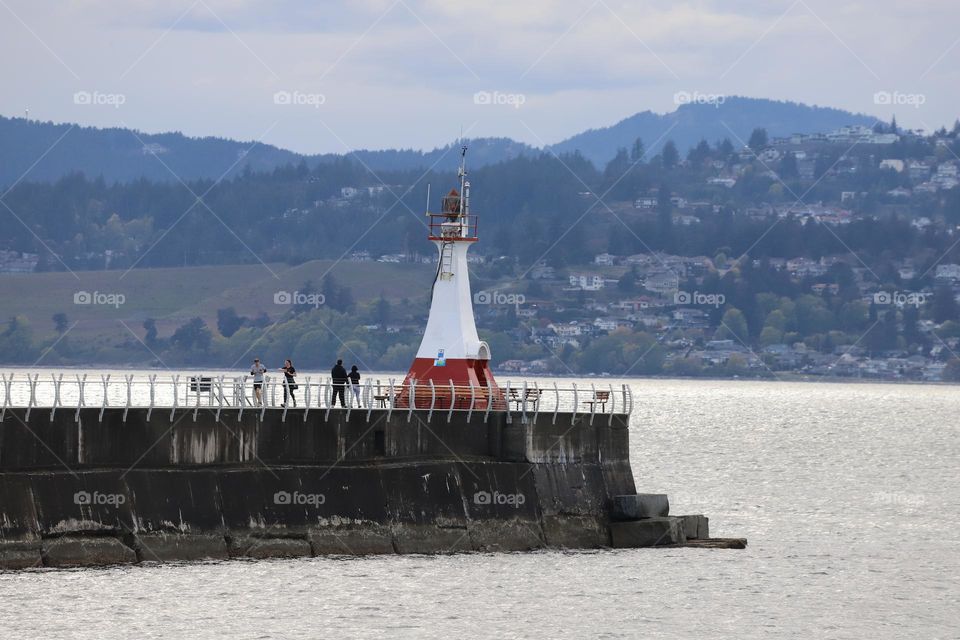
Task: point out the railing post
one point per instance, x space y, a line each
81 383
7 384
286 390
32 382
575 403
129 379
243 395
306 398
106 397
391 398
176 399
329 397
433 400
453 401
473 399
348 391
196 406
593 405
368 393
536 402
413 398
219 397
267 382
523 403
508 398
57 379
556 408
486 414
613 404
153 382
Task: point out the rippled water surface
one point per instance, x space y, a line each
849 494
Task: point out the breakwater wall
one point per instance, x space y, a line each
113 485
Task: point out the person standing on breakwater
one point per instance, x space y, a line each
339 375
289 373
354 376
257 371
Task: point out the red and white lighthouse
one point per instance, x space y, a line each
451 351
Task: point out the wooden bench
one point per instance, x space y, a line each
530 396
599 397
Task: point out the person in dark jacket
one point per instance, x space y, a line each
290 382
339 375
354 376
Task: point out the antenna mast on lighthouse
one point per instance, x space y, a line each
451 352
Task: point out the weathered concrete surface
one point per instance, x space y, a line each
169 547
696 527
650 532
641 505
267 547
76 551
367 538
259 485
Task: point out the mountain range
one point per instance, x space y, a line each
45 151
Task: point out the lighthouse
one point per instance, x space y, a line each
451 354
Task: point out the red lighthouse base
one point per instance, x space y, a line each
453 383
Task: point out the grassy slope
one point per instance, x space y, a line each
176 294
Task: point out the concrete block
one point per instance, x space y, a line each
259 548
505 535
650 532
574 532
695 527
170 547
429 538
19 555
640 505
75 551
356 541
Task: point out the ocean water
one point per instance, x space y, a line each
849 495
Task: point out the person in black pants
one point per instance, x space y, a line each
339 375
354 376
289 373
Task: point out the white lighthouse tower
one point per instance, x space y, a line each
451 351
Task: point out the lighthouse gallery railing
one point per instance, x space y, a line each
171 392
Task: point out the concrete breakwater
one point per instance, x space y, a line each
115 485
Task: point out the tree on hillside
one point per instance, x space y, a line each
150 326
733 326
758 139
60 322
192 336
228 322
670 157
637 151
944 305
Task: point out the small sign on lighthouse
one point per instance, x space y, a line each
440 361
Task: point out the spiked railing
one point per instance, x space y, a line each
171 392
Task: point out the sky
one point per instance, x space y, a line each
332 76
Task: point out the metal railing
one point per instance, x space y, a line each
169 392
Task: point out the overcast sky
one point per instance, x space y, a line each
332 75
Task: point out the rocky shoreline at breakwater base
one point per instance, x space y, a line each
81 490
